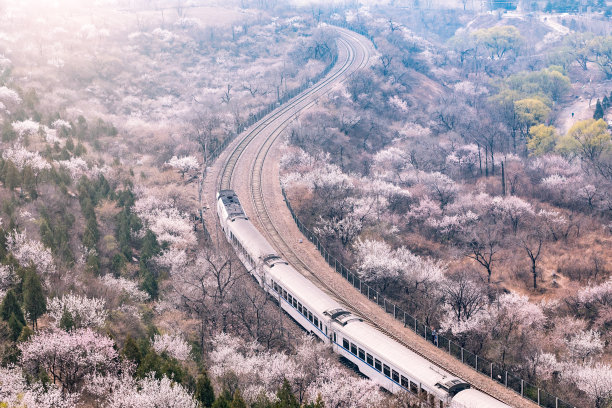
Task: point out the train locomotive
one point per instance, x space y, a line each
385 361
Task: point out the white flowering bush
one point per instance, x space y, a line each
183 164
86 312
172 344
126 287
28 251
22 158
15 392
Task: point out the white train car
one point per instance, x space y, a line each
384 360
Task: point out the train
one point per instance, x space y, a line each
385 361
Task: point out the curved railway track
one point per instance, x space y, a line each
269 129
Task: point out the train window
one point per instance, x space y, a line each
386 370
284 294
316 321
345 343
294 303
353 349
395 376
377 364
405 383
310 317
290 298
414 388
361 354
299 307
370 359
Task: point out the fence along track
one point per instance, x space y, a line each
265 219
256 181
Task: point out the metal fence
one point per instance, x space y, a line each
482 365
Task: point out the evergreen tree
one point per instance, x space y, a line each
285 396
204 391
224 400
10 307
150 247
238 401
67 321
149 282
26 332
131 350
16 326
599 112
11 175
316 404
262 401
34 301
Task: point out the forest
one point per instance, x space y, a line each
466 174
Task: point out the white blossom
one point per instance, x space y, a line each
585 343
16 393
23 158
9 96
125 286
26 127
59 123
183 164
174 345
86 312
28 251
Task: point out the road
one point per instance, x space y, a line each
250 166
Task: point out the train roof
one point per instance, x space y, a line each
231 203
250 238
475 399
397 355
303 289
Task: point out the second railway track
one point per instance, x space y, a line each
265 133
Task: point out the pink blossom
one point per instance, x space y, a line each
69 356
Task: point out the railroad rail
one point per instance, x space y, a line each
270 128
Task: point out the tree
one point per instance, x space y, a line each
587 139
483 245
16 327
465 295
238 401
83 311
66 322
69 356
204 391
542 139
34 301
499 40
599 111
532 243
285 397
10 306
530 112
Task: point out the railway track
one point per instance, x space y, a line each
269 130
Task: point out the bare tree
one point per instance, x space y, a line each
483 244
465 294
532 243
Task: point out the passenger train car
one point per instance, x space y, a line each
384 360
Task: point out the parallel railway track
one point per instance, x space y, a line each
279 121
